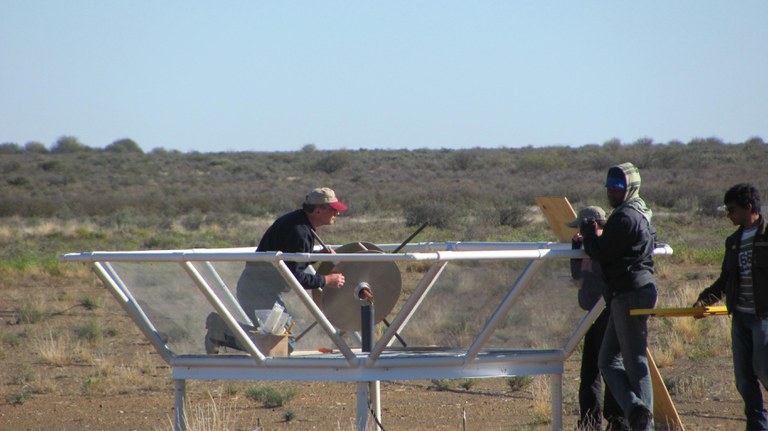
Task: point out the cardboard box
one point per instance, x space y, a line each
271 345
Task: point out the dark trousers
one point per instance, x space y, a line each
591 385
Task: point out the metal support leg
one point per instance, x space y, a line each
180 392
375 388
362 406
368 393
556 390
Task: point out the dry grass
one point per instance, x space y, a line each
60 350
110 377
542 399
680 337
212 415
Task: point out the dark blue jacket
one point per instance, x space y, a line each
292 233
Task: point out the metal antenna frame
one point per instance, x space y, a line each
350 365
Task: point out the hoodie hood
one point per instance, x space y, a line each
632 181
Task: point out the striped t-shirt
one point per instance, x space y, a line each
746 300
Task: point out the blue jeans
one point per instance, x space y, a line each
622 358
749 342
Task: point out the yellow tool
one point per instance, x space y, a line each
288 330
719 310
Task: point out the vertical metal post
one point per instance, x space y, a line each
369 392
367 325
556 391
376 402
180 393
362 406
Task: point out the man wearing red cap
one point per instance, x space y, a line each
260 286
291 233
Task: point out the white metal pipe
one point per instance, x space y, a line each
224 290
503 309
228 318
493 251
408 309
118 289
320 318
400 359
376 404
583 327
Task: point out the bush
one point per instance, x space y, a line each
29 313
334 161
440 384
518 383
124 146
437 214
17 398
513 214
90 331
269 396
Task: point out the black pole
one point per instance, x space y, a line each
368 323
407 240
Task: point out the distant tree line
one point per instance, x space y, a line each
69 144
445 187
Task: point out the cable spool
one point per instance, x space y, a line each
341 306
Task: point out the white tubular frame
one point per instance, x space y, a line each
353 366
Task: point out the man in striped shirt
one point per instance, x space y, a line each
743 281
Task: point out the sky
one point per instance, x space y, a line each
247 75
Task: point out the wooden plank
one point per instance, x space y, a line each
719 310
558 212
664 411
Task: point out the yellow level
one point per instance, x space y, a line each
718 310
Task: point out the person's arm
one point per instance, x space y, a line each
299 240
576 263
715 292
614 241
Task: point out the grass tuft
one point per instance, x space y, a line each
518 383
270 396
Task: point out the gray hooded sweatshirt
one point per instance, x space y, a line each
625 249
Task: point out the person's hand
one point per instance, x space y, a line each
334 280
365 294
699 304
576 241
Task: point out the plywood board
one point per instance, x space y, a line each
664 411
558 212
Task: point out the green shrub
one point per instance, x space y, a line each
289 415
29 313
438 214
518 383
441 384
89 303
93 332
17 398
90 331
11 339
467 384
269 396
334 161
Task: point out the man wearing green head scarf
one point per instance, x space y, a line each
625 253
